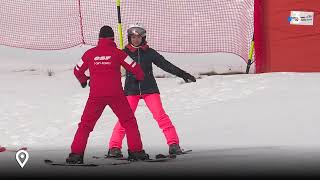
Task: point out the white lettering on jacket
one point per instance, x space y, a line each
101 58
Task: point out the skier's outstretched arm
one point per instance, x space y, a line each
130 65
80 69
165 65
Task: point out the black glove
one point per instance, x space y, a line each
186 77
84 84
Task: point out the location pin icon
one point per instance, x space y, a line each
22 157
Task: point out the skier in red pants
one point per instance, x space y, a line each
103 62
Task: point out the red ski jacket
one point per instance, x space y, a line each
104 62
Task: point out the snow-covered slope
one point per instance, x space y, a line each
230 112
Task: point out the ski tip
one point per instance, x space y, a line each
186 151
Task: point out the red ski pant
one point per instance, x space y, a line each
92 112
154 104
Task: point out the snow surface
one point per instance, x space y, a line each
241 123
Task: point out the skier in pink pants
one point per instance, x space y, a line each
147 90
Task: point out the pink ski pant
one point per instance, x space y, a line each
154 104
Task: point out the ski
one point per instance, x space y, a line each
156 157
173 155
186 151
159 159
4 149
161 156
107 157
118 161
52 163
122 162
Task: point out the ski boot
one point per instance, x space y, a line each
114 153
138 156
74 159
174 149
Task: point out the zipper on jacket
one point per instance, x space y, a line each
141 67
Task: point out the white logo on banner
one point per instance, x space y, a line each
301 18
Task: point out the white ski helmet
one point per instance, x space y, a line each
137 29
